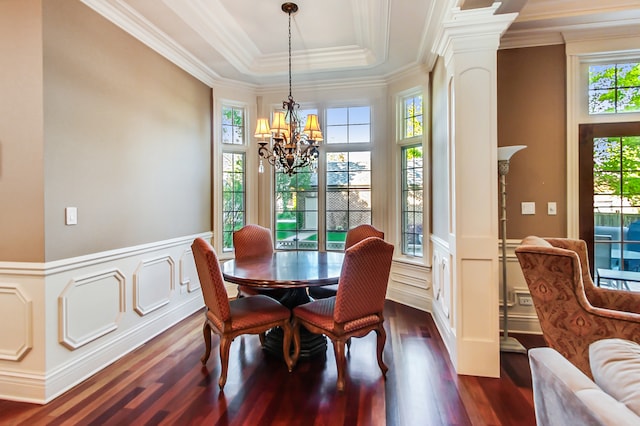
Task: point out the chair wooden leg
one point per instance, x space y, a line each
225 344
206 331
382 337
262 336
286 344
338 348
296 342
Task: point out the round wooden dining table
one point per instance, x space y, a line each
293 271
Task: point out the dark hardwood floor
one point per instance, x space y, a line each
163 382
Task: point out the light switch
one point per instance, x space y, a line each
71 215
528 207
552 209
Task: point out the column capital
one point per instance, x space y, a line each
471 30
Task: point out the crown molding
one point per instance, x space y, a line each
133 23
561 34
224 34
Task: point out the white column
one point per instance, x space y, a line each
468 43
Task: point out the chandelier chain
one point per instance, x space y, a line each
290 94
292 146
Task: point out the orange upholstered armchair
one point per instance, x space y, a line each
357 308
228 319
354 235
573 312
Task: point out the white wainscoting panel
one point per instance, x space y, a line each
90 307
63 321
188 271
16 323
410 284
153 282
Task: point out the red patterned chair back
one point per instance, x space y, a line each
569 306
252 241
211 280
361 232
363 280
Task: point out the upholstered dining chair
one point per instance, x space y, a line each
229 319
356 309
254 241
354 235
573 312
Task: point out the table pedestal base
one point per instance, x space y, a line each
311 344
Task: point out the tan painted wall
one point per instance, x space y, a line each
532 112
21 130
127 138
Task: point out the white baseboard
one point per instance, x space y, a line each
49 366
411 296
42 389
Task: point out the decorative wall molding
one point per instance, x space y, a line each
43 388
38 269
188 272
102 295
153 282
410 285
64 315
17 310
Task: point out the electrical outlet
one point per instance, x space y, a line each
525 300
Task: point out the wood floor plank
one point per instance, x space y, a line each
163 382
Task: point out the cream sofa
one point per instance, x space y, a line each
564 395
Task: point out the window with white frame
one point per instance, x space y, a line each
348 194
412 200
296 205
348 172
614 88
233 196
412 180
233 173
412 116
345 202
233 125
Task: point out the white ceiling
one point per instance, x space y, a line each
247 40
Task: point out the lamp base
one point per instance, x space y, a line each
510 344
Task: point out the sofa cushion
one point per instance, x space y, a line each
615 364
564 395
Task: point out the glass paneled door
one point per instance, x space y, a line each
610 195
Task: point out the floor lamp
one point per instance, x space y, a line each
507 344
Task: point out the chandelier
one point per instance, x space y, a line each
286 144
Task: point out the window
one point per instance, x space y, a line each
412 116
233 125
614 88
233 196
345 164
349 125
234 147
296 206
348 193
412 200
411 170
